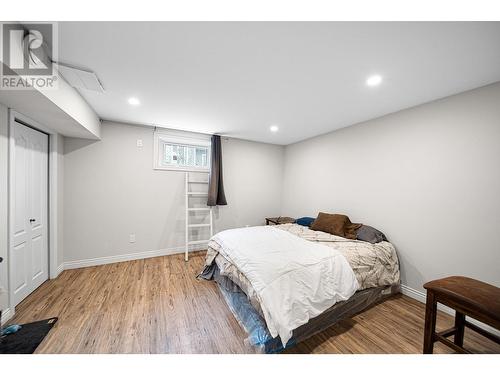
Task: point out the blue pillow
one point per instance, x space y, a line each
305 221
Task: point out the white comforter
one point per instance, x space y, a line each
294 279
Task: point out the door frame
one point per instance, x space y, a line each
52 209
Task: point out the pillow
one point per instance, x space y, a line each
370 234
338 225
305 221
350 229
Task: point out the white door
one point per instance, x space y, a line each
28 211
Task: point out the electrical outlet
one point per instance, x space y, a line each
131 238
139 143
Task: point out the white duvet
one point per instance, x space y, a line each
294 279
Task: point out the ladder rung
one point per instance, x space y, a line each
198 225
197 242
196 193
199 209
197 182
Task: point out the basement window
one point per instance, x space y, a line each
181 151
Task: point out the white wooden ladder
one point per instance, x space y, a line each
196 193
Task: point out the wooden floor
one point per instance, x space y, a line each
157 306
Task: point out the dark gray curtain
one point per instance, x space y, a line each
216 196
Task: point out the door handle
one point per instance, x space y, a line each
32 220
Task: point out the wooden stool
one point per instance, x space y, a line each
466 296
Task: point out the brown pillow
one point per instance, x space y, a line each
351 230
338 225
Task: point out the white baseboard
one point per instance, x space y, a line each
127 257
413 293
421 296
59 269
7 314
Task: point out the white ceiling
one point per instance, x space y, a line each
238 78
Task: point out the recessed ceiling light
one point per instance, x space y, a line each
374 80
274 128
133 101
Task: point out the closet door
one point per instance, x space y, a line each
29 208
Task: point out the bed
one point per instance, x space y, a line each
285 283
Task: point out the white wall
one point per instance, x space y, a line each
111 191
253 181
4 158
428 177
60 201
56 203
69 100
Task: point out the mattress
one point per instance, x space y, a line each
375 267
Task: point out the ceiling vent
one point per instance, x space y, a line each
80 79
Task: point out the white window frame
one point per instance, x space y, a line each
181 138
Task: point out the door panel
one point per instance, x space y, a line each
29 188
20 167
18 261
39 179
37 249
39 232
20 244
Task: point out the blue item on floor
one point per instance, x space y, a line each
10 329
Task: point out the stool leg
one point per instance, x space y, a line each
430 322
459 325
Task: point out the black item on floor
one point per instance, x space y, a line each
27 339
